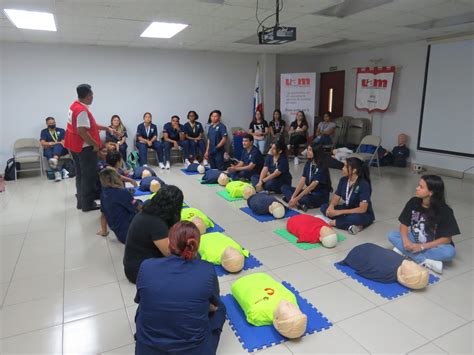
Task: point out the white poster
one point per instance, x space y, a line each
374 88
298 93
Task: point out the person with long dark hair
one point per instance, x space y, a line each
179 309
275 172
121 138
259 129
314 186
298 134
277 126
354 189
427 226
148 233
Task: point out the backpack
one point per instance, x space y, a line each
10 169
70 167
133 160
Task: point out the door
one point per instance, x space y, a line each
331 94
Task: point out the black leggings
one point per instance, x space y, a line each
295 141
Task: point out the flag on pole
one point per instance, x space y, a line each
257 98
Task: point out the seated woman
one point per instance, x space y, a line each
298 133
325 130
147 138
250 163
179 309
355 189
275 172
427 226
195 146
173 137
314 186
277 127
120 138
148 233
114 160
117 205
259 130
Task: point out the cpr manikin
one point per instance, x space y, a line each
223 179
146 173
277 210
199 223
232 260
196 216
328 237
412 275
155 186
201 169
248 191
265 301
262 204
150 183
310 229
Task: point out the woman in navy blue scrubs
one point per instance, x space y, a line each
179 311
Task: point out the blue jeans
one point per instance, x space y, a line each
346 220
323 140
311 200
123 151
143 151
443 252
167 149
260 144
193 149
56 149
273 185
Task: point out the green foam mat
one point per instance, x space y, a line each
282 232
200 181
225 194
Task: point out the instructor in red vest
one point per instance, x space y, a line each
83 140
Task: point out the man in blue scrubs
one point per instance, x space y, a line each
147 138
52 141
250 163
173 137
216 138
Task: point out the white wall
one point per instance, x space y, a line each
40 80
403 114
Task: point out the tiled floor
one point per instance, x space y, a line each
63 290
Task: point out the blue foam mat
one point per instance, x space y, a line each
138 192
192 172
256 338
268 217
388 291
217 228
250 263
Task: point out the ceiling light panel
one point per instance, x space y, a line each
163 30
31 20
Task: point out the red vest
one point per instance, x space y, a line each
305 227
73 140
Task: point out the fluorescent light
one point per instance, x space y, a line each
163 30
31 20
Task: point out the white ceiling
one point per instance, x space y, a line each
216 24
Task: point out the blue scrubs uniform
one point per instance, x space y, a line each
216 155
143 148
194 148
252 156
320 195
360 192
275 184
122 147
173 297
55 135
173 134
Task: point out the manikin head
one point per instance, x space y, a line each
232 260
248 191
288 320
201 169
199 224
223 179
402 139
328 237
146 173
277 210
412 275
155 186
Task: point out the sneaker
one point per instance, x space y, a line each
168 165
65 174
145 165
186 163
162 166
354 229
57 176
297 161
195 161
205 162
435 265
398 251
53 163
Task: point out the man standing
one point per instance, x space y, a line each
52 141
216 138
83 140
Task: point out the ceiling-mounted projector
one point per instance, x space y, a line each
276 34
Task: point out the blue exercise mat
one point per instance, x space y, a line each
192 172
250 263
217 228
268 217
256 338
138 192
388 291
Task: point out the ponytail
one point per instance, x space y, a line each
361 167
184 238
320 159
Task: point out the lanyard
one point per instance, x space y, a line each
193 127
147 130
53 135
311 166
349 191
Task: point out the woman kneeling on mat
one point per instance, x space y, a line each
427 225
314 186
179 310
355 189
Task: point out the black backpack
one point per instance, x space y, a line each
70 167
10 169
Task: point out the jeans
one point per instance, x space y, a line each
123 151
167 149
273 185
443 252
56 149
143 151
193 149
346 220
260 144
311 200
323 140
86 177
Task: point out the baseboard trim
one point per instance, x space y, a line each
445 172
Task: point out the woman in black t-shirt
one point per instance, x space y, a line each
277 126
148 233
427 225
298 133
259 130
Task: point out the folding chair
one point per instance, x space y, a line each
26 151
370 157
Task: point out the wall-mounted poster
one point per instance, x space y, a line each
374 88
